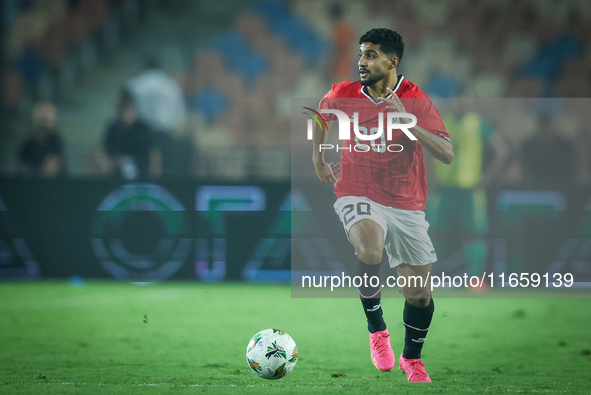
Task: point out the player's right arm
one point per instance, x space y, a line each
327 173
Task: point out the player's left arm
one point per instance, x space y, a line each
439 147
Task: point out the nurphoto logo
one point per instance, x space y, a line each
377 136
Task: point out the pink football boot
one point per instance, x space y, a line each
382 355
414 369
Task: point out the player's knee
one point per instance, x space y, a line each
419 302
369 255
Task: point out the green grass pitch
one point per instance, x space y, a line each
110 337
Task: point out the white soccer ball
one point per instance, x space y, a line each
271 354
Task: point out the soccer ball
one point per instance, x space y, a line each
271 354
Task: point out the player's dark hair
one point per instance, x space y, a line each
389 41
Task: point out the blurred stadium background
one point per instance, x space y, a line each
206 189
237 66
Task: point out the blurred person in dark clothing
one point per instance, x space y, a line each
548 159
129 144
42 154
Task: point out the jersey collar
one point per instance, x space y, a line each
364 91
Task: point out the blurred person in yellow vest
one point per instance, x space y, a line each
459 214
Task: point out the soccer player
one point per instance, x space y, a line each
381 191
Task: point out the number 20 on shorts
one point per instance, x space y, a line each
348 211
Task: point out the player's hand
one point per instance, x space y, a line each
328 173
393 102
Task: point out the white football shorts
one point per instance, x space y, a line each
405 231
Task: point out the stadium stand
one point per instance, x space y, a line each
466 48
51 46
239 76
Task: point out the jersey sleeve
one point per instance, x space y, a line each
428 117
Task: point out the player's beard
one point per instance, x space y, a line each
372 78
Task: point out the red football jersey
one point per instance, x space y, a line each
389 172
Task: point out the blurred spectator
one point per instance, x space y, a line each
343 53
159 99
548 159
160 103
42 154
460 209
129 144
